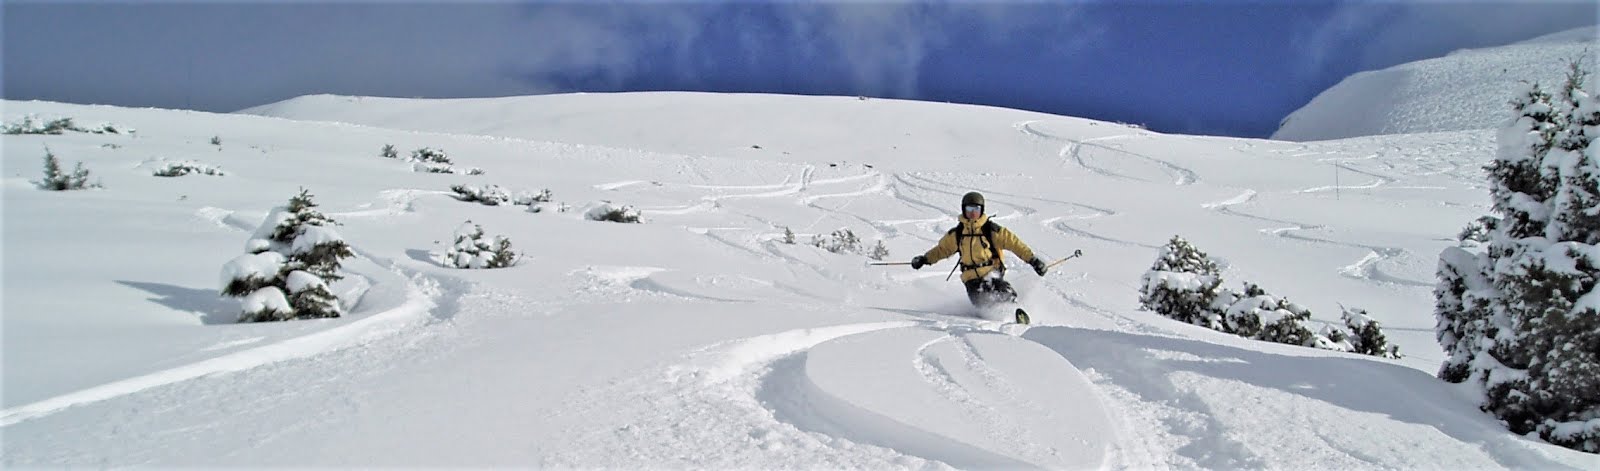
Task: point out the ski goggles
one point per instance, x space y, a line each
972 208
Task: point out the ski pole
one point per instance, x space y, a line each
1075 254
887 263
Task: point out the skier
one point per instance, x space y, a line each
979 242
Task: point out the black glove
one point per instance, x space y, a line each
918 261
1038 266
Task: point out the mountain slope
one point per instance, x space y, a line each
699 338
1464 90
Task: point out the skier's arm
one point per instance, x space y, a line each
1008 240
945 248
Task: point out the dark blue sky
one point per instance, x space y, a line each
1200 67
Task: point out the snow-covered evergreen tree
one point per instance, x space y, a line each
1366 337
472 250
1183 284
1262 316
879 252
57 180
1520 315
292 257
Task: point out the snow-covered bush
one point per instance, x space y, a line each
57 180
430 160
495 195
292 257
1519 312
31 124
606 211
492 195
788 236
1183 284
472 250
430 155
389 152
1366 337
843 241
178 169
840 241
879 252
216 140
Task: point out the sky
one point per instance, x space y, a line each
1222 68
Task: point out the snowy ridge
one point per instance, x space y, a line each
699 338
1465 90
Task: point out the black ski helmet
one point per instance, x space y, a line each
971 198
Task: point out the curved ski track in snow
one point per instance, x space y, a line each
976 407
423 296
1074 150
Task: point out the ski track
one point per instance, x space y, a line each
396 202
426 297
1074 149
1237 200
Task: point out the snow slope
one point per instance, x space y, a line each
699 339
1464 90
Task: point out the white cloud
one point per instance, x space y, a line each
1384 34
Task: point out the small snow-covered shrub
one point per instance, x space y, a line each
389 152
31 124
495 195
1261 316
57 180
879 252
1366 337
291 258
788 236
492 195
431 167
430 160
606 211
216 140
178 169
840 241
472 250
845 241
430 155
1183 284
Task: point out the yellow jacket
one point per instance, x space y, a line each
976 254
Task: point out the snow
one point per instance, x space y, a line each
267 299
312 236
299 280
1466 90
264 266
698 339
